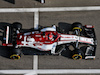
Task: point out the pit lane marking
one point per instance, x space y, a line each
36 19
52 71
50 9
35 63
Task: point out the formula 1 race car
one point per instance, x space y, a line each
51 39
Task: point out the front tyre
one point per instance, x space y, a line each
77 25
77 54
77 28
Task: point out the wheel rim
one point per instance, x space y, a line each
15 57
77 28
77 57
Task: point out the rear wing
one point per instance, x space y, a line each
7 36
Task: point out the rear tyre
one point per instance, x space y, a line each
15 57
15 54
17 25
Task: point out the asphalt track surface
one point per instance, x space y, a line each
49 3
47 19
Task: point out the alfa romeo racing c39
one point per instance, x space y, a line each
51 39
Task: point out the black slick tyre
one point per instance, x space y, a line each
77 26
17 25
15 54
77 55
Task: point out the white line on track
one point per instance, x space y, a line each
35 63
87 8
52 71
36 19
